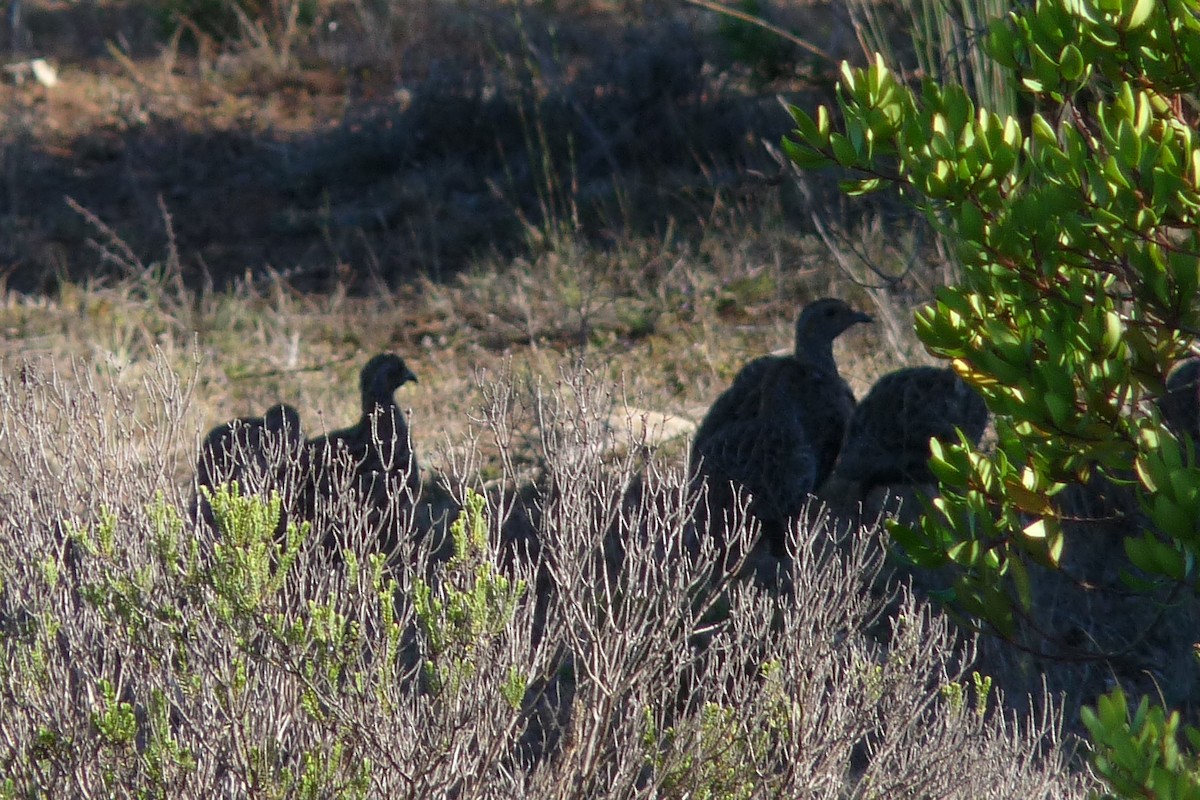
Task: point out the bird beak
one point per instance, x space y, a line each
409 375
859 316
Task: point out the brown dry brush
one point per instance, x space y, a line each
579 639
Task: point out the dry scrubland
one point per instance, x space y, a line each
574 265
608 658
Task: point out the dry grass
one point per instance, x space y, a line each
134 658
398 139
670 323
656 327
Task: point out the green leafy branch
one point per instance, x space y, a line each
471 608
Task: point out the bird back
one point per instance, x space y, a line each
889 433
762 444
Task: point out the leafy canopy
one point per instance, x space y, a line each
1077 230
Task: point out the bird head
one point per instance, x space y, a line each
823 321
383 375
282 418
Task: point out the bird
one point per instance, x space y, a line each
379 441
887 442
373 457
1180 404
777 430
255 452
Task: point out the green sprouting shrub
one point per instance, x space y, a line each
470 609
710 766
240 580
955 693
705 754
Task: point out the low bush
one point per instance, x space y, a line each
574 640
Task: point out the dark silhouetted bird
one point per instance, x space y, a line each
374 457
1181 403
888 439
256 452
777 430
379 441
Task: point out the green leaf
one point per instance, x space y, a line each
824 125
1070 62
1020 577
1030 501
946 473
1000 44
1054 550
1061 408
1012 133
1135 13
1141 555
1042 132
849 76
843 150
997 610
958 106
970 222
806 129
855 188
1113 330
804 156
1129 144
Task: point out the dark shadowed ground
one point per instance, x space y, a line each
380 147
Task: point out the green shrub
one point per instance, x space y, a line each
461 619
1138 754
1078 228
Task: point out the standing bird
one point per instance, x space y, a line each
777 430
888 439
256 452
374 456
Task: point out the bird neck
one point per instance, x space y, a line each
376 402
816 352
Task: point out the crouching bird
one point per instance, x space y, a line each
260 454
888 440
